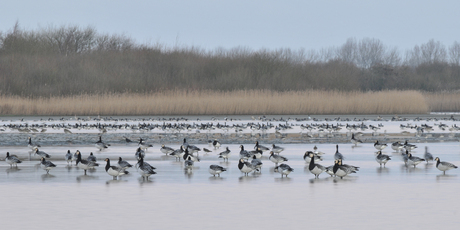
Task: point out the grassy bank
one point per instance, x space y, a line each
242 102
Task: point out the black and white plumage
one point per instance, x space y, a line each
178 153
277 149
444 166
350 168
91 157
428 157
68 157
114 171
277 158
192 157
85 164
244 154
354 140
245 167
379 146
330 170
101 145
139 153
143 145
317 152
339 170
338 155
216 144
46 165
166 150
225 154
216 169
409 147
397 146
32 145
256 164
314 168
185 144
193 149
382 158
13 160
145 169
188 162
284 169
263 148
413 160
123 164
307 158
41 153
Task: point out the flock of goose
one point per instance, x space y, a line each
249 161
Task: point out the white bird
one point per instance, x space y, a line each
314 168
379 146
216 144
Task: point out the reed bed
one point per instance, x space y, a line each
443 101
241 102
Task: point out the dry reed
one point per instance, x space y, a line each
242 102
443 101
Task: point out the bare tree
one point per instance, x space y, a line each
454 53
347 52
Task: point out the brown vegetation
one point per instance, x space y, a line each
241 102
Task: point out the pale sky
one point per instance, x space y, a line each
253 24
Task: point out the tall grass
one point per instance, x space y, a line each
240 102
443 101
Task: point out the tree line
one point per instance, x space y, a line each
71 60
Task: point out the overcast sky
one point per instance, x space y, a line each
253 24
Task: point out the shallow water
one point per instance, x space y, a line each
394 197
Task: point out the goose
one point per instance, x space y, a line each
193 149
245 167
139 153
114 171
382 158
307 158
145 169
350 168
330 170
397 146
413 160
207 150
244 154
409 147
144 163
46 165
317 152
192 157
101 145
166 150
263 148
41 153
277 149
427 155
123 164
178 153
379 146
31 145
188 163
256 164
277 158
225 154
444 166
354 140
85 164
143 145
216 144
91 157
283 169
314 168
339 170
12 159
68 157
216 169
338 155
